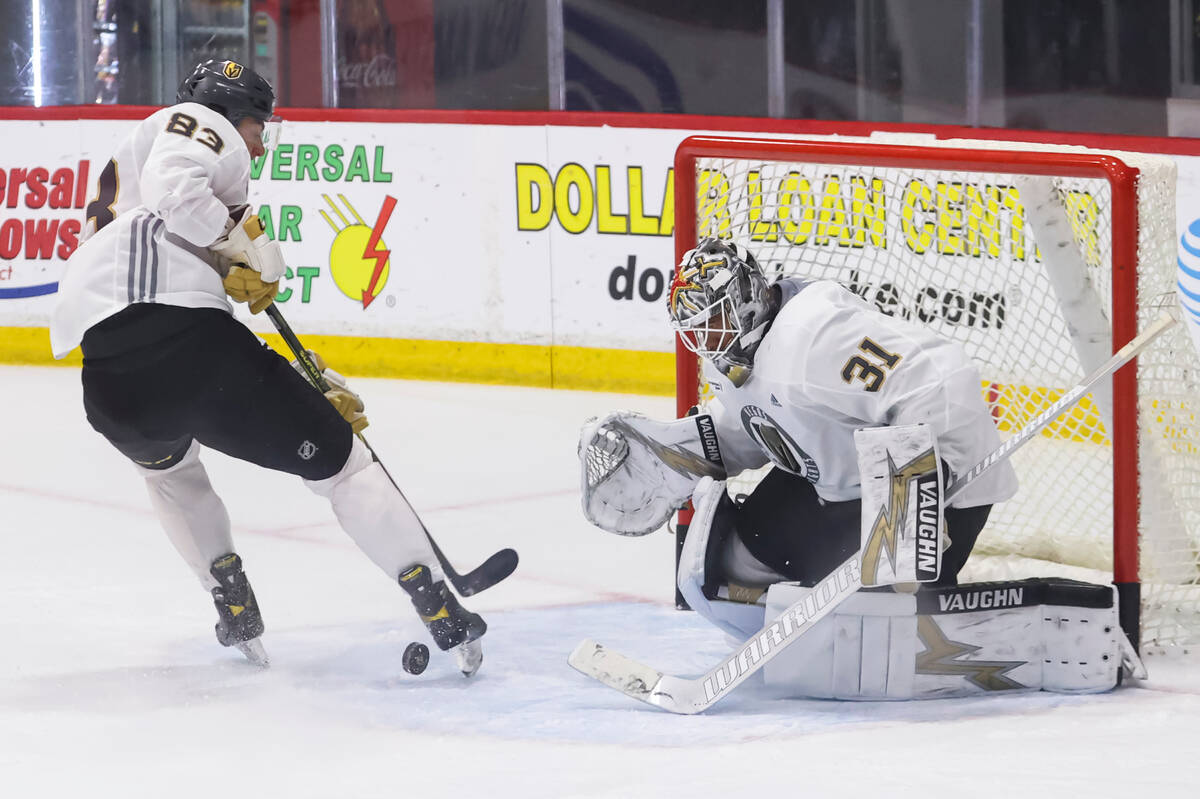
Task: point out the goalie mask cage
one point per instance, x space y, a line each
1040 260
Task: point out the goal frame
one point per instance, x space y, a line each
1122 179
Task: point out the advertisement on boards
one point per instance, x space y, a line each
554 238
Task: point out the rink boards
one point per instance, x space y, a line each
523 248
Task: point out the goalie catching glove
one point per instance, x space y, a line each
344 401
257 263
635 472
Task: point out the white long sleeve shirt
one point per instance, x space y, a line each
161 201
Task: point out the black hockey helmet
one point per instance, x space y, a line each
231 89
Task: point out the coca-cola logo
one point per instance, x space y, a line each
379 71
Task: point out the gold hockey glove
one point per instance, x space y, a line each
344 401
246 285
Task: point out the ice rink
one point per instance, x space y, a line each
112 683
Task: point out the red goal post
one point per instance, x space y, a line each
774 195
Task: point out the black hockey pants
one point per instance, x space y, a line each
155 377
786 526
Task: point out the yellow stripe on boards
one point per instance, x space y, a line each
30 346
580 368
625 371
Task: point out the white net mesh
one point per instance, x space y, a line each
962 253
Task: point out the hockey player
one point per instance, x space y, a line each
796 367
167 368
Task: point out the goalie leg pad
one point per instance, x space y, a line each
1027 635
712 525
866 649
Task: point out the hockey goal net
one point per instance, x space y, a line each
1039 260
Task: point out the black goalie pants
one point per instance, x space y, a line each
157 377
786 526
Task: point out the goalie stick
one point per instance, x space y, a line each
497 567
697 694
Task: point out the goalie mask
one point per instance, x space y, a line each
720 306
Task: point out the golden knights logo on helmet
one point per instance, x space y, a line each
233 90
686 291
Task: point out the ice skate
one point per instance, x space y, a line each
454 628
240 624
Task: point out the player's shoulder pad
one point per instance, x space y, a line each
806 314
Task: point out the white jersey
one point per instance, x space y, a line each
161 201
830 364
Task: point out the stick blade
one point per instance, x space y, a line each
618 672
496 568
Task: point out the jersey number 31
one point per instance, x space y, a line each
870 370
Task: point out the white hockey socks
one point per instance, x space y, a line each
376 515
190 511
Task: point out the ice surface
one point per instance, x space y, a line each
112 684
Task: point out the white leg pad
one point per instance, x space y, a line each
190 512
863 650
968 640
1066 665
376 515
739 620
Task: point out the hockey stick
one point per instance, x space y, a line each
1035 425
694 695
497 567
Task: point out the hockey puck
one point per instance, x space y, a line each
416 658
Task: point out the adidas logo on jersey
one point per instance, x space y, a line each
776 402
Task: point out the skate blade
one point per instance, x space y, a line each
469 657
254 652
